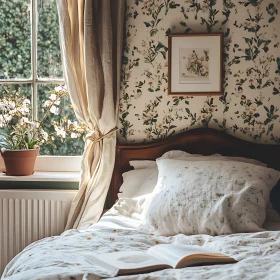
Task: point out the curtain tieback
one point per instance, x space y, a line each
96 135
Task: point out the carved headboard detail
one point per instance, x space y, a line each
203 141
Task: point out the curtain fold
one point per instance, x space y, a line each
91 37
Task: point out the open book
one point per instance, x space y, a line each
159 257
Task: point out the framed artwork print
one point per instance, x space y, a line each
195 64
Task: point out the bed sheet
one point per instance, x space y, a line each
66 256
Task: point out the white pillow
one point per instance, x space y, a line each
181 155
217 197
143 179
138 182
135 192
196 157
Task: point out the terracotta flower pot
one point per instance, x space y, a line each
20 162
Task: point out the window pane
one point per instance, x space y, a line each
67 136
25 90
15 39
49 60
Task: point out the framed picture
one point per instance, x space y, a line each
195 64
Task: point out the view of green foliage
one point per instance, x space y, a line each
15 61
15 43
49 59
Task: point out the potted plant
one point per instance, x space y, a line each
20 136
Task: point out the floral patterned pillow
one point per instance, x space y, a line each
219 197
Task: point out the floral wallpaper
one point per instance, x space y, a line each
249 107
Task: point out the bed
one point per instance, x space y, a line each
66 256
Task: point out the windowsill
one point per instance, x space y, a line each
53 164
44 176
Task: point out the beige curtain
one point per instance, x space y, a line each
91 36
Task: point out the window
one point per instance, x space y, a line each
30 59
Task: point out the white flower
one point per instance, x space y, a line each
7 117
53 96
74 135
11 104
74 123
45 135
23 120
54 110
47 103
12 112
60 131
58 88
57 102
24 108
2 106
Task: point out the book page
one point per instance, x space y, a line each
173 254
93 260
130 260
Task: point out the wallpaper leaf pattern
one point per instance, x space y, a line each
249 107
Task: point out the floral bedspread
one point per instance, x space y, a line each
66 256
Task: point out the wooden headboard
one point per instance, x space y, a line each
203 141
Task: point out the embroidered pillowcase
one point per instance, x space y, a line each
214 198
143 179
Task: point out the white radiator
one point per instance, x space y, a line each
29 215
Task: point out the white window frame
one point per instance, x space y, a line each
43 163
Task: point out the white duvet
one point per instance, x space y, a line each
65 256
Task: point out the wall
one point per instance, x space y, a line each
249 108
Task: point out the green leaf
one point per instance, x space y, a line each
32 144
227 32
187 30
159 46
153 31
124 60
124 115
248 41
158 21
266 49
147 24
172 5
275 91
163 54
248 52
